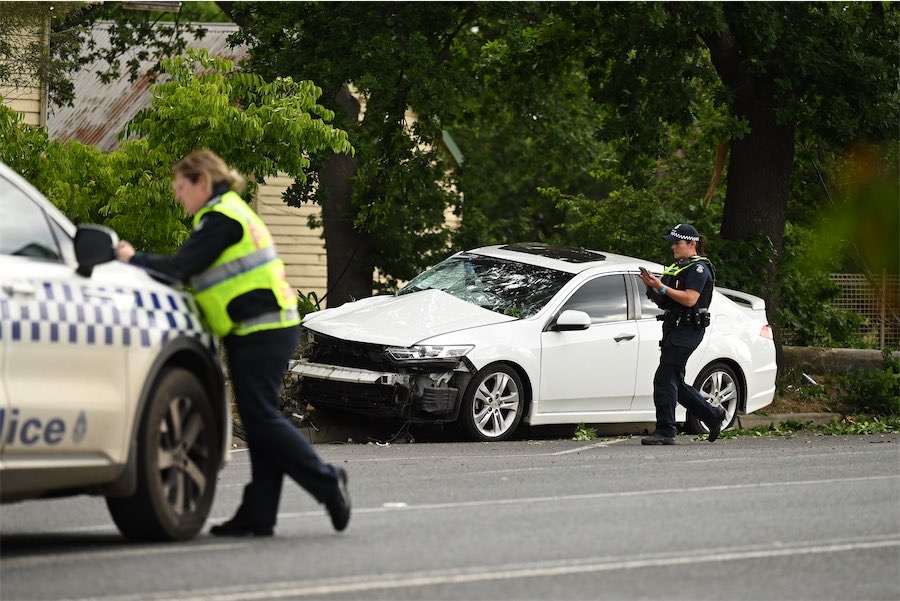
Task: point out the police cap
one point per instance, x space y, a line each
682 231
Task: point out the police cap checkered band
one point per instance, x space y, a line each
682 231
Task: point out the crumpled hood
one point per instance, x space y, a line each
401 320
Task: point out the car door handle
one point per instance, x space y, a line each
622 337
123 302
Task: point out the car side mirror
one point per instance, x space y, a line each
572 320
94 245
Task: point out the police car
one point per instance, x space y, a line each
111 383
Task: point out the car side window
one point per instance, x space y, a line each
603 298
649 310
24 228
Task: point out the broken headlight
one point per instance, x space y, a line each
426 353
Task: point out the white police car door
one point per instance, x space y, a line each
63 372
593 370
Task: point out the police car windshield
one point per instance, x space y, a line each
507 287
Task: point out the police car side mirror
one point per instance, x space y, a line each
572 320
94 245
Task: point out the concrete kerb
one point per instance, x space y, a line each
748 422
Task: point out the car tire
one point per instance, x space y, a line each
493 404
178 458
719 385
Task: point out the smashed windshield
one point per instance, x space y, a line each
503 286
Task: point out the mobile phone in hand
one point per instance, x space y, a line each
644 270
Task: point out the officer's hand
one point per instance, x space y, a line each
125 251
650 280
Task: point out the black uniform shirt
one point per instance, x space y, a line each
214 233
694 277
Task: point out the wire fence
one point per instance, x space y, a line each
876 302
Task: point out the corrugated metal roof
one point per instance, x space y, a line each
101 110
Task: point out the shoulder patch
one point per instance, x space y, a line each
699 268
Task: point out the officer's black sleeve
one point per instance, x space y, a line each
697 276
215 233
655 297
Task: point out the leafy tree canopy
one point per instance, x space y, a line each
259 128
396 56
68 25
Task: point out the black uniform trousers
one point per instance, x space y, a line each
669 386
257 363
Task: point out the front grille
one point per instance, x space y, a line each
386 401
334 351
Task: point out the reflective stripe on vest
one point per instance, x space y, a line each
252 325
225 271
674 269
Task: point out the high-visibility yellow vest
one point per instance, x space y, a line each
250 264
675 268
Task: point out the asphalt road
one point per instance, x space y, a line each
807 517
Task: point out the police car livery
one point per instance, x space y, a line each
111 383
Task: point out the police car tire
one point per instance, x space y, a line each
695 426
491 375
150 514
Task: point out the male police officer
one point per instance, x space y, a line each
684 293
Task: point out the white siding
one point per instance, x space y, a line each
301 248
27 98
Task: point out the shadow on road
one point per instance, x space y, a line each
23 545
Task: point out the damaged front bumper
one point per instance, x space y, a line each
418 394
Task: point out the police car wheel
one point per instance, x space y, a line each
493 403
177 463
719 385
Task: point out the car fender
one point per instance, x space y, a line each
513 343
183 351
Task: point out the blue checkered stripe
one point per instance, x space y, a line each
64 313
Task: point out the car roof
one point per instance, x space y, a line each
563 258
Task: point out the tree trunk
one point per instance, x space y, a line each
759 172
759 169
759 184
347 248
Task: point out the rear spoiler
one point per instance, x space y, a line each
755 303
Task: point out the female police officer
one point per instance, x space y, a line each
239 283
684 293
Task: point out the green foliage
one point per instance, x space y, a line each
259 128
519 138
862 425
25 57
583 433
836 427
806 315
134 36
307 303
786 428
874 391
397 56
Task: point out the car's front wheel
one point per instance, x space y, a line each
720 386
493 403
178 458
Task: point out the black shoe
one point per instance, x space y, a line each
339 505
716 427
657 439
240 529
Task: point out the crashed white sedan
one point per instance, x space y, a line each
549 335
